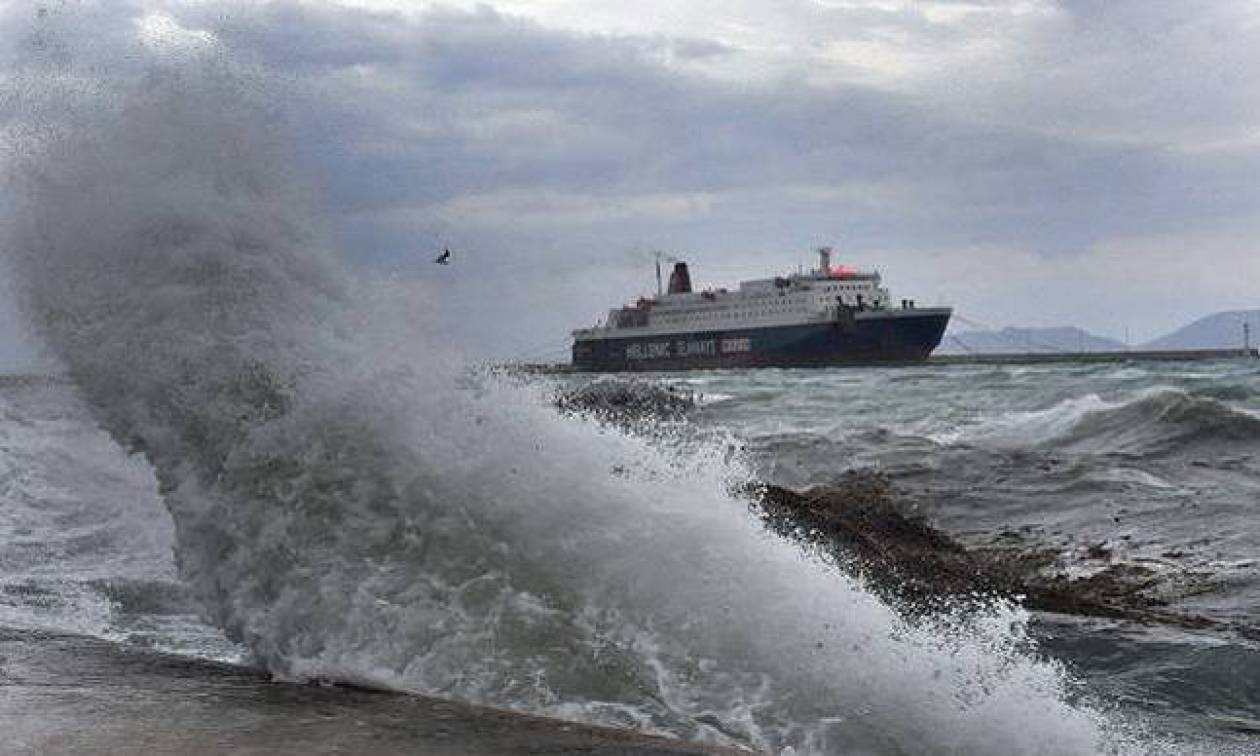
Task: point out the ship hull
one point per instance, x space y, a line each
873 338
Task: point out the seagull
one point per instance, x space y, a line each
444 258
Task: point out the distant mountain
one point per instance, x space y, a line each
1223 330
1062 339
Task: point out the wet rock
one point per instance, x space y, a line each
1098 550
878 537
873 532
626 401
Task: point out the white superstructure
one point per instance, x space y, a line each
815 296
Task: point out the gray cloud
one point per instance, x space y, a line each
552 158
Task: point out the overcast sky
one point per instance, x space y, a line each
1031 162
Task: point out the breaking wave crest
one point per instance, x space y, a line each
351 509
1154 421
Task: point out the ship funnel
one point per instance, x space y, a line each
680 279
824 260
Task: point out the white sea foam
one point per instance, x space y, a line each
350 507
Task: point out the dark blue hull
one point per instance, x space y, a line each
888 338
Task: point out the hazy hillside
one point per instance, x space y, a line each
1223 330
1062 339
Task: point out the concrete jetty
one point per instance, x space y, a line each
79 696
1038 358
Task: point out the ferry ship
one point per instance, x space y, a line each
833 315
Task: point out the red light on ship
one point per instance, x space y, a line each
842 271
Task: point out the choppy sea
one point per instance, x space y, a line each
1146 465
1149 466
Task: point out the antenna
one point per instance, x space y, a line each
1246 338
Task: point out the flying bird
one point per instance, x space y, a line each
444 258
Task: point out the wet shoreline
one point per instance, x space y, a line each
69 694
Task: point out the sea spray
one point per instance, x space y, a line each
354 509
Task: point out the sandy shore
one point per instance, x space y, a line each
66 694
